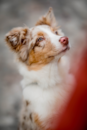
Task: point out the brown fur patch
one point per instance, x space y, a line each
30 116
41 33
19 34
23 124
38 61
38 122
48 19
17 41
24 117
41 57
54 29
27 103
43 21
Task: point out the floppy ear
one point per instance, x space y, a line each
18 39
48 19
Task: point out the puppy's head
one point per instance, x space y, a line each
38 45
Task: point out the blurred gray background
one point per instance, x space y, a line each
71 16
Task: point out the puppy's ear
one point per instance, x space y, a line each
48 19
18 39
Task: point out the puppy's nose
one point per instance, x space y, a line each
64 40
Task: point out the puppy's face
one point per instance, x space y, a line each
39 45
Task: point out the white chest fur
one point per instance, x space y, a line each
44 89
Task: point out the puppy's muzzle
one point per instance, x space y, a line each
64 41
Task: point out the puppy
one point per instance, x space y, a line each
44 68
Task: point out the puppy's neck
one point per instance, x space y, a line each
47 76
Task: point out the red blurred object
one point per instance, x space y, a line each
75 115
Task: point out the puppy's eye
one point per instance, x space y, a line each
40 39
56 32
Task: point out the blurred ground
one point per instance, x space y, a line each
71 16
